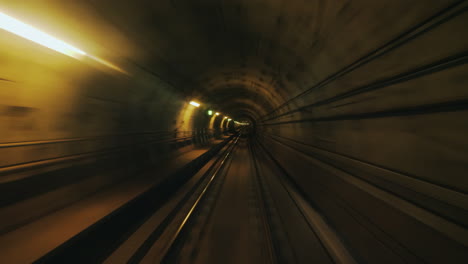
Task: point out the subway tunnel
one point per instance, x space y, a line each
233 131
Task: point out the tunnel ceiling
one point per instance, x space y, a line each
210 49
265 51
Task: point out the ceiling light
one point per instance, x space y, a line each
194 103
26 31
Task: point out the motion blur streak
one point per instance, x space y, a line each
108 64
19 28
28 32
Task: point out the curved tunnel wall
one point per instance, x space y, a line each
379 143
70 142
69 128
363 103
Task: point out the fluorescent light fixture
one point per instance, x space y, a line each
26 31
210 112
194 103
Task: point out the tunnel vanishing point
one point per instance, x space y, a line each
233 131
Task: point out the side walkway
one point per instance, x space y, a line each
31 241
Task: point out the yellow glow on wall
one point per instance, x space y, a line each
185 118
108 64
26 31
211 125
221 125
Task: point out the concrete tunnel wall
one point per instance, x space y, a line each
378 142
363 103
69 128
63 145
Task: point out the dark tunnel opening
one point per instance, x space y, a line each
240 131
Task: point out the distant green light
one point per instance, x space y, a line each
210 112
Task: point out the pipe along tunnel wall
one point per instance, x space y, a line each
362 103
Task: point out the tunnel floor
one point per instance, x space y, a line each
229 227
240 221
30 241
238 208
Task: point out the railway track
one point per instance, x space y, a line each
248 212
240 207
228 218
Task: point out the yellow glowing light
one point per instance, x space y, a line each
23 30
217 114
26 31
229 119
108 64
210 112
194 103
